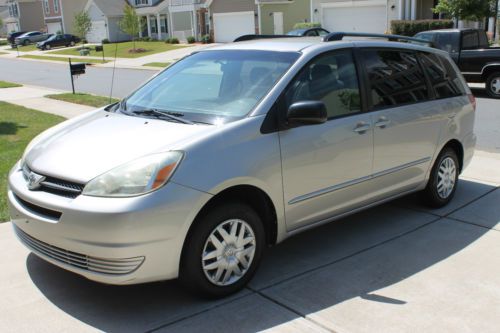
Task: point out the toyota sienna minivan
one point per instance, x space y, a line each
235 148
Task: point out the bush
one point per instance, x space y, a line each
105 41
306 25
167 41
410 28
174 41
205 39
3 42
191 40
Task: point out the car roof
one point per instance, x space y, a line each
299 44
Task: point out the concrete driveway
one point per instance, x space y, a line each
396 267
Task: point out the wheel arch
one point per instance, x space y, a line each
489 69
252 195
459 150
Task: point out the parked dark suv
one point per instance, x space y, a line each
11 37
469 48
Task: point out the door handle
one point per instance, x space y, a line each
382 122
361 127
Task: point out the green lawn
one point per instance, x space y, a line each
4 84
27 48
85 60
158 64
18 125
3 53
85 99
123 49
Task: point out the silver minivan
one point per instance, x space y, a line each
235 148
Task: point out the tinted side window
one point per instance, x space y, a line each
483 40
443 77
448 42
470 40
331 78
395 77
311 33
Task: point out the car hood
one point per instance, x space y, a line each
81 150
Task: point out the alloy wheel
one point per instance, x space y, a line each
228 252
446 177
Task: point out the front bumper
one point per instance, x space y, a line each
109 240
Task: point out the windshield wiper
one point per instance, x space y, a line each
165 114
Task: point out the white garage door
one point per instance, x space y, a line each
229 26
53 28
98 32
358 18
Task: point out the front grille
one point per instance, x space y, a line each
78 260
45 212
56 186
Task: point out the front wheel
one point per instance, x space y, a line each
493 85
443 179
47 47
223 250
72 43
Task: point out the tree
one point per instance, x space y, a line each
130 23
82 24
469 10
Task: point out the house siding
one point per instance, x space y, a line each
228 6
69 9
31 16
115 34
298 11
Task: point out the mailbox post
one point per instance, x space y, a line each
75 69
100 48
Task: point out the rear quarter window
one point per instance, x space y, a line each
444 78
394 77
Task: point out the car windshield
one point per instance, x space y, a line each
211 86
52 37
297 32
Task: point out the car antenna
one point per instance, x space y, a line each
113 76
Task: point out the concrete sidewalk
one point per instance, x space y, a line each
33 97
398 267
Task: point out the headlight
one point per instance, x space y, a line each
140 176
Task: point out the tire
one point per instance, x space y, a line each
206 277
47 47
26 42
443 180
72 43
493 85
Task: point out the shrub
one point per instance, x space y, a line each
105 41
410 28
167 41
306 25
3 42
174 40
205 39
191 40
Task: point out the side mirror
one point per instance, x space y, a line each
307 113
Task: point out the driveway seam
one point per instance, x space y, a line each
269 298
472 223
199 312
352 254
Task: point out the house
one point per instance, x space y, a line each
169 18
279 16
105 16
59 15
368 15
4 14
24 15
229 19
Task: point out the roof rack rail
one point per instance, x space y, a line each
252 37
334 36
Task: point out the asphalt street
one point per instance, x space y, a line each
54 75
98 81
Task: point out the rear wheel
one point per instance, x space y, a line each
443 179
222 251
493 85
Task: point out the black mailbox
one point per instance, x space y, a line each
99 48
78 68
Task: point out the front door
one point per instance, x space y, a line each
278 23
324 165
